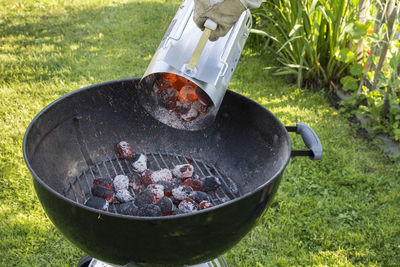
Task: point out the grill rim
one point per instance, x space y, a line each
277 174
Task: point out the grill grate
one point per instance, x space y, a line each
79 189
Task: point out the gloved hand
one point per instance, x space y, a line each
223 12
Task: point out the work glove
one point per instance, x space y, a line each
224 13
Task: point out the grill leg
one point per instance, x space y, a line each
87 261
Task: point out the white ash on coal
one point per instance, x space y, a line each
181 192
121 182
140 165
125 150
161 175
149 192
187 205
205 205
157 190
183 171
124 195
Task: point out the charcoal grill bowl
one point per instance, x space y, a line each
246 141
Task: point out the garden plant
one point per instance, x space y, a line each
346 46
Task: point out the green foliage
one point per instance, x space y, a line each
316 42
309 38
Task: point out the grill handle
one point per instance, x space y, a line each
310 139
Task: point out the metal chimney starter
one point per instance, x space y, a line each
212 73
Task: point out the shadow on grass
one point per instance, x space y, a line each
90 42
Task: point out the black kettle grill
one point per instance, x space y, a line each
73 139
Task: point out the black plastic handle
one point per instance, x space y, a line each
310 139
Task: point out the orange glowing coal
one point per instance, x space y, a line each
185 98
188 93
186 88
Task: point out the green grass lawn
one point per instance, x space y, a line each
341 211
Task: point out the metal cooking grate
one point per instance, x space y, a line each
79 189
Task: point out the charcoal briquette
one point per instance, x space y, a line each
195 184
157 190
144 198
124 195
205 205
125 150
149 210
165 205
140 164
181 192
188 205
128 208
168 186
121 182
102 192
97 203
210 183
183 171
199 196
161 175
104 182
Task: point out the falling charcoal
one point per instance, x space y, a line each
128 208
161 175
97 203
104 182
123 195
195 184
144 198
181 192
168 186
102 192
210 183
149 210
183 171
188 93
125 150
146 177
199 196
182 107
157 190
190 115
202 109
168 97
140 165
205 205
121 182
188 205
165 205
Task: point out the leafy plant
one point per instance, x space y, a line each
332 44
309 38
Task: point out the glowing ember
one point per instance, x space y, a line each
180 95
188 93
147 192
